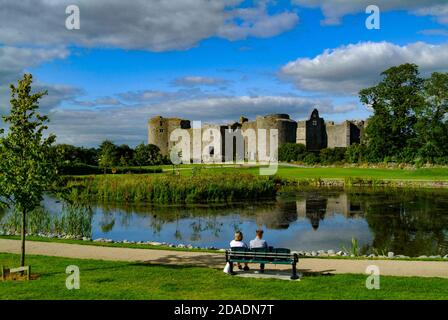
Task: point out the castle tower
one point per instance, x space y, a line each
159 131
286 128
312 132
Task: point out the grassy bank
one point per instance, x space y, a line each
173 188
119 280
196 184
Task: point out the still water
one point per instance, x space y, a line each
408 222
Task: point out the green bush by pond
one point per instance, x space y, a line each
172 188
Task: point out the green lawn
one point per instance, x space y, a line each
424 174
433 174
118 280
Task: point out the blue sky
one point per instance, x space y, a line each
209 62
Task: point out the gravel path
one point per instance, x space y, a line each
307 266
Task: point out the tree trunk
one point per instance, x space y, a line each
22 257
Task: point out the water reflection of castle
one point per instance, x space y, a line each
314 207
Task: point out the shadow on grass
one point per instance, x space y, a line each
218 262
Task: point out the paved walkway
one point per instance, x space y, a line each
307 266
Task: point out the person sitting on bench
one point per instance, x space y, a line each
237 242
259 243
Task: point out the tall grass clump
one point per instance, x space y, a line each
73 221
354 249
172 189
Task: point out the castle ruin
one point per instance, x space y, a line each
315 133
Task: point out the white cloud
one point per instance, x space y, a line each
256 22
155 25
349 68
57 94
440 12
335 10
13 61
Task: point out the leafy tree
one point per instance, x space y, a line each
147 154
125 155
28 166
291 152
108 155
394 101
432 120
77 155
355 153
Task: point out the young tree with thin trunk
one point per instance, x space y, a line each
28 167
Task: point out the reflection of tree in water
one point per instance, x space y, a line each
156 224
124 215
236 225
107 221
177 233
408 223
196 228
207 216
211 224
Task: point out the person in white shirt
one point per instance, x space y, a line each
259 243
237 242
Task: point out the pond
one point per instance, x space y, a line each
407 222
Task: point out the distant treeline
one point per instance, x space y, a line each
109 157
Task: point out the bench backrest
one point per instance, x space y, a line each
261 254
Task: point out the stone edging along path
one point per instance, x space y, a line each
308 265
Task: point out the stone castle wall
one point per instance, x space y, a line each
314 133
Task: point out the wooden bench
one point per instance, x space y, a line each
6 272
263 256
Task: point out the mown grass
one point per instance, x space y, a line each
427 174
121 280
173 188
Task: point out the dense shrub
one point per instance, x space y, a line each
329 156
291 152
310 158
